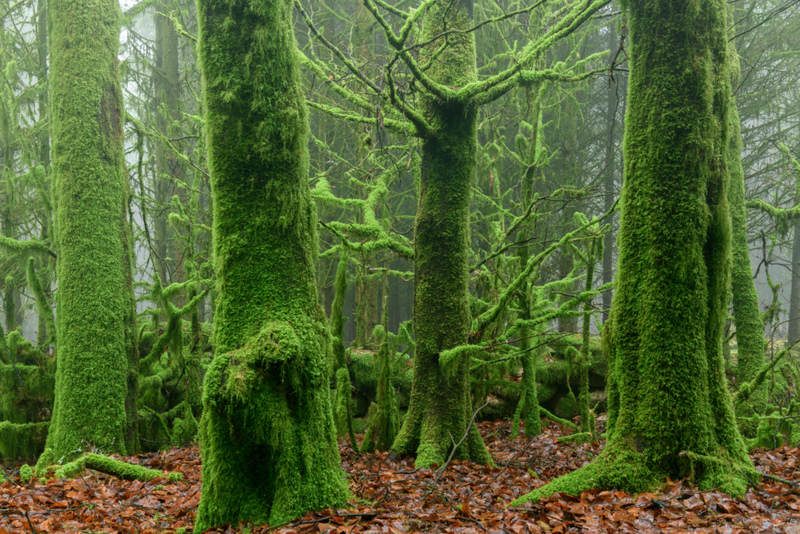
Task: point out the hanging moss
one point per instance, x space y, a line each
89 191
671 412
267 433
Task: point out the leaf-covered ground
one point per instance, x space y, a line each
393 497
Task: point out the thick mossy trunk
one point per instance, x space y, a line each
267 432
670 411
441 407
90 196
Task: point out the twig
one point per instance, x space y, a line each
29 522
369 515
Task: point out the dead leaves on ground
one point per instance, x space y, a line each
393 498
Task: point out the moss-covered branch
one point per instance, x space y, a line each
116 468
28 246
580 12
487 317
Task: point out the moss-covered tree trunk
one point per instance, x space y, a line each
268 439
610 168
670 411
441 407
794 297
527 340
94 299
749 326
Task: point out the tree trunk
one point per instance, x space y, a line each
670 413
609 189
267 432
440 408
90 196
794 298
746 315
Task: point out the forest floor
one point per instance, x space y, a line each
393 497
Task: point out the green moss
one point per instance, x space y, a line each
90 198
364 371
746 314
267 432
385 419
775 431
342 411
25 473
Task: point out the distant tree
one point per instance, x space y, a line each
670 413
95 296
267 431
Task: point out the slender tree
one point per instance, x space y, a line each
670 413
267 432
94 291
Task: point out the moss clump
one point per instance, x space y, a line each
775 431
25 473
110 466
267 432
365 372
